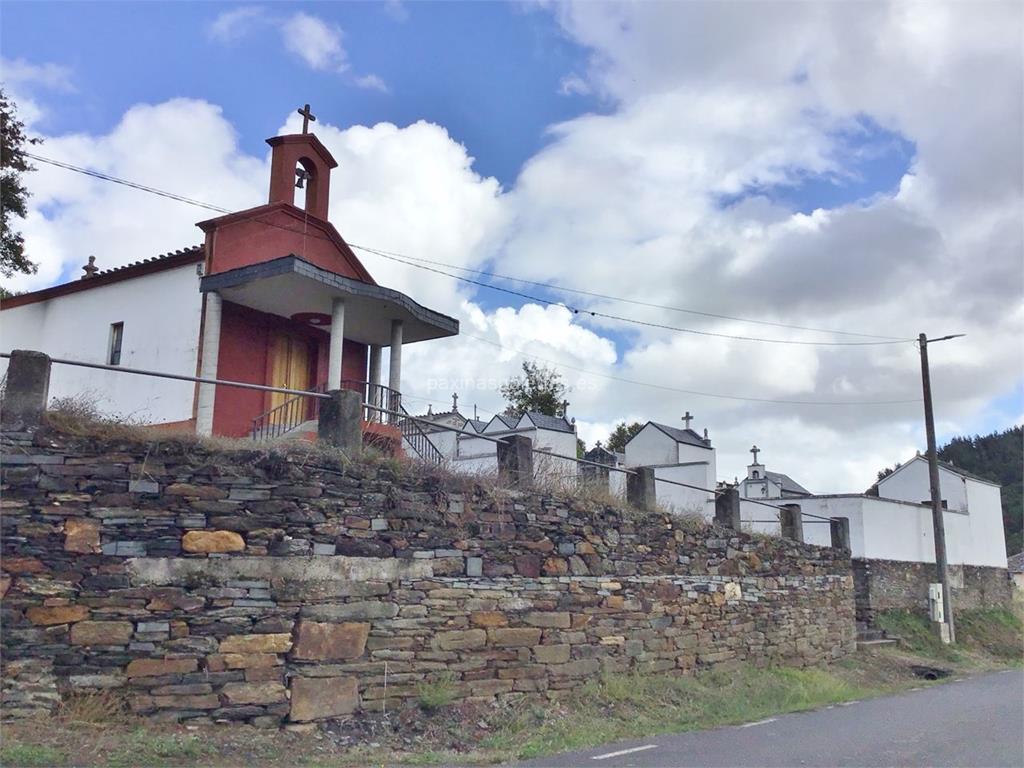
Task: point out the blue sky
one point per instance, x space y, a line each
488 72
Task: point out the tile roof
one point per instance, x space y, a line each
181 257
786 482
197 249
687 436
554 423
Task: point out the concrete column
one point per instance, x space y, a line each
208 364
727 508
515 461
395 372
641 489
840 529
340 422
337 344
792 522
27 390
374 381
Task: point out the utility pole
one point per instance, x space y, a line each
938 524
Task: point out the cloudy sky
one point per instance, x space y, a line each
824 169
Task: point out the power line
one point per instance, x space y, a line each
593 313
566 289
181 198
125 182
635 321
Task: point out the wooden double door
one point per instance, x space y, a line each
291 364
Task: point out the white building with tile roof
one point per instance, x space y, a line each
468 453
683 463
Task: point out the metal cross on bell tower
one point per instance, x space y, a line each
307 118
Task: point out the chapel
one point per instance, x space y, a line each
273 296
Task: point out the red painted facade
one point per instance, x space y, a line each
244 345
262 234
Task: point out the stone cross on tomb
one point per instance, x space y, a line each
307 118
755 450
687 417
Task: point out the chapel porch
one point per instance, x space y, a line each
288 323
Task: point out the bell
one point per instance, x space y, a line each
302 175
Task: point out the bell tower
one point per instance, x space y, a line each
300 160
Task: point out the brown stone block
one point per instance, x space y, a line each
207 701
22 565
271 643
488 619
5 584
250 660
489 687
101 632
254 693
555 566
461 639
580 620
514 637
579 668
212 541
526 672
321 698
321 641
81 535
195 491
551 654
57 614
528 565
160 667
548 620
262 674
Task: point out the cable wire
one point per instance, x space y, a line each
408 261
566 289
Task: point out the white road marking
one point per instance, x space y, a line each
759 722
624 752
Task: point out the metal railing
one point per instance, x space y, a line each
384 404
410 427
285 417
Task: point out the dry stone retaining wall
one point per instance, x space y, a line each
271 588
885 585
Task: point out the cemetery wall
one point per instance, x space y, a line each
267 587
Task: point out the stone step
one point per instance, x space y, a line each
876 643
871 634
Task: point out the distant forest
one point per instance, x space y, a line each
998 457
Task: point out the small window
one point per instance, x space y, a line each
116 335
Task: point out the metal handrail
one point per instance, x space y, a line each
384 404
285 417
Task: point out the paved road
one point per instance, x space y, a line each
977 722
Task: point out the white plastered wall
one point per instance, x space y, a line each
161 316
